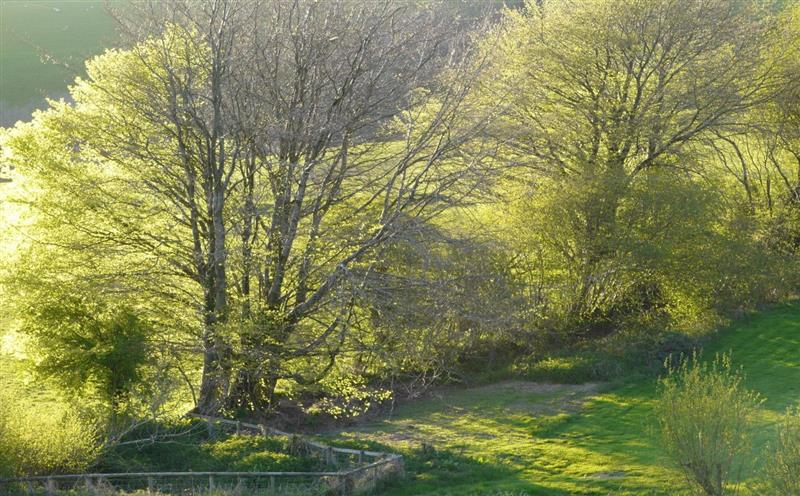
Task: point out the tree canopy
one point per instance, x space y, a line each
330 202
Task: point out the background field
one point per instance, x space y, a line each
43 45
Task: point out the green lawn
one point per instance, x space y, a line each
522 438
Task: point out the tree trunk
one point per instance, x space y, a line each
209 399
216 370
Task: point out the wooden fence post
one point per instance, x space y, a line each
150 485
271 483
50 487
87 482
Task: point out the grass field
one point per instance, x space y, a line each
43 46
522 438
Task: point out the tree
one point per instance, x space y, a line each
783 456
4 167
87 345
252 155
351 139
603 93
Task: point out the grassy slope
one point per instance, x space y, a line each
33 31
524 440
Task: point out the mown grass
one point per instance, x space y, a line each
563 440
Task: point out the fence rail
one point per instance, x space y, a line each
265 430
359 472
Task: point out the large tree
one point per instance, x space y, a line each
610 97
256 154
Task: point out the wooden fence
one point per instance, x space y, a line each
357 472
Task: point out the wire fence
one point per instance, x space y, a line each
352 472
333 457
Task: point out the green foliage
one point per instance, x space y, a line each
575 369
657 198
704 412
641 349
627 223
782 465
92 311
628 211
83 343
347 396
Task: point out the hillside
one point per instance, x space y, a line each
467 234
529 438
43 45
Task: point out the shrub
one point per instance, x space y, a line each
83 341
43 439
633 350
704 411
783 457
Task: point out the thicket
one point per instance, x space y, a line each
43 438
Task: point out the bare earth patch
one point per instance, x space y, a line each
618 474
562 397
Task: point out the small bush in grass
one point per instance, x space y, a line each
704 413
561 370
783 457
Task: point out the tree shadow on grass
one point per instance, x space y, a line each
525 444
767 347
430 470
